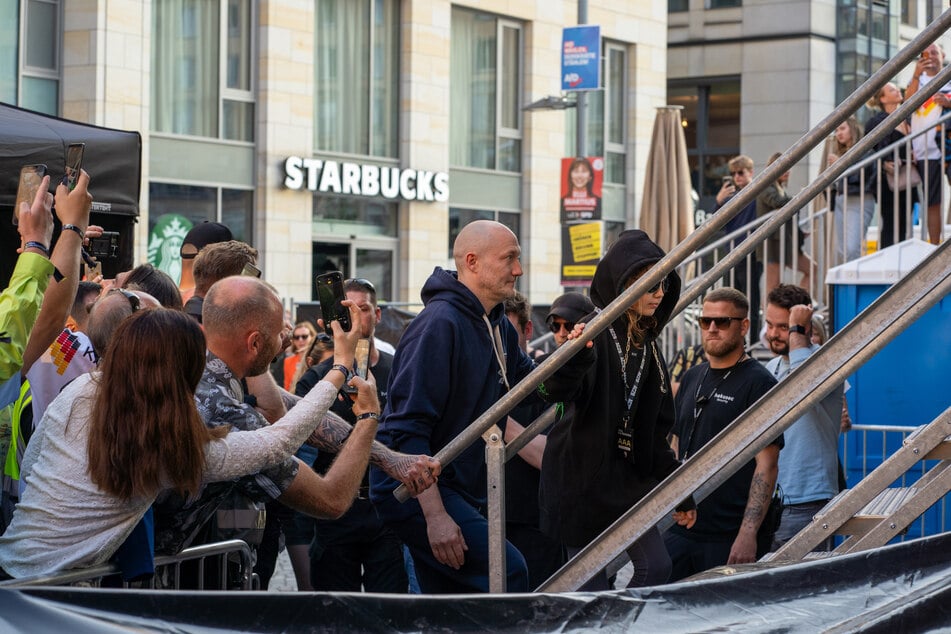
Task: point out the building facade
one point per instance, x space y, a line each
347 134
754 76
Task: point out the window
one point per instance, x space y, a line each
724 4
867 38
485 71
29 56
678 6
348 215
356 77
202 76
229 206
459 218
711 113
607 116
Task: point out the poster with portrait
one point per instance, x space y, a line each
581 179
581 247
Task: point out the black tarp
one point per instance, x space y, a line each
113 159
900 588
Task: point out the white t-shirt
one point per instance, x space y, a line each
924 118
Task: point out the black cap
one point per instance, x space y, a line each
202 235
570 307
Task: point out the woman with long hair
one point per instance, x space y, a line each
115 438
853 204
894 205
610 448
579 201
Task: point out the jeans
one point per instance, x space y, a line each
795 518
437 578
357 552
649 557
851 221
696 553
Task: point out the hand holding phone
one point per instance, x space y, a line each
31 177
330 294
74 164
361 357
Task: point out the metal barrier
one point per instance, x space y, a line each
880 441
167 569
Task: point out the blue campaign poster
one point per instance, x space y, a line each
581 57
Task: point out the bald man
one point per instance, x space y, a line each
456 359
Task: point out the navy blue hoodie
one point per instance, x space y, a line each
444 376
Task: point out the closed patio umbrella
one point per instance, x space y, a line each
667 206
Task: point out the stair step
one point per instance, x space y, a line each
941 452
882 506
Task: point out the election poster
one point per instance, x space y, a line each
581 248
581 180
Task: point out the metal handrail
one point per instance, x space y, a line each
473 433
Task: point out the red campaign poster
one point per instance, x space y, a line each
581 179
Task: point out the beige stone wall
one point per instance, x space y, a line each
285 106
106 77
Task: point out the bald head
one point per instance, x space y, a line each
487 255
236 303
109 311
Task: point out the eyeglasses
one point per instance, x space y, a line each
556 326
304 336
365 283
132 297
721 322
737 172
663 284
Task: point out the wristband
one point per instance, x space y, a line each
82 234
344 370
366 415
798 329
33 244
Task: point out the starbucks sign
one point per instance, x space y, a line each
355 179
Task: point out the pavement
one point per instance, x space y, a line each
283 578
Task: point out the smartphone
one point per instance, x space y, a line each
726 180
330 294
31 176
74 164
362 358
250 270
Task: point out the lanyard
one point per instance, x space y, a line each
640 371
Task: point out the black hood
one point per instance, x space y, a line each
632 251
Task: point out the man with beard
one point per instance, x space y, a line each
244 327
711 395
808 465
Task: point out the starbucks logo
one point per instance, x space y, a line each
165 243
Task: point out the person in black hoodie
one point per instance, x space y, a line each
610 448
456 359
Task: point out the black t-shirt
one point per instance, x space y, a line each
342 407
723 395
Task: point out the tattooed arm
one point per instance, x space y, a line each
417 472
761 491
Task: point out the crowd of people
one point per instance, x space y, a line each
149 415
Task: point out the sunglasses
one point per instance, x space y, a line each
721 322
132 297
301 336
556 326
737 172
365 283
663 284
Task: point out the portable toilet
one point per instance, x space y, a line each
906 383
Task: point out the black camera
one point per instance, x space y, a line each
105 247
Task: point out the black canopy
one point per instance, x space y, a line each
113 158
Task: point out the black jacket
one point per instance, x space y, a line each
586 482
